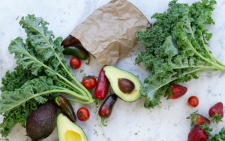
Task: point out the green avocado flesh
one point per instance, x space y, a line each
69 131
114 74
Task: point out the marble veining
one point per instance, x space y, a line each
129 121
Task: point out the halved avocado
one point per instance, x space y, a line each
69 131
124 84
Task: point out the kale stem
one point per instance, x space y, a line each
76 87
86 92
74 94
193 67
36 60
216 65
213 58
5 122
46 92
64 67
192 71
73 100
219 62
66 85
78 83
205 71
207 49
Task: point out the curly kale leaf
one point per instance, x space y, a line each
220 136
41 73
41 42
34 88
14 80
176 48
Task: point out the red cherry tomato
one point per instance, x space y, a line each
89 82
75 63
193 101
83 114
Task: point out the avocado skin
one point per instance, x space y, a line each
41 123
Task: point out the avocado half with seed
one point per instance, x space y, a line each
69 131
124 84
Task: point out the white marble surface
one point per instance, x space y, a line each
129 121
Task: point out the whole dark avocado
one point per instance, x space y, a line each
41 122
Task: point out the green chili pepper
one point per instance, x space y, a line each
77 51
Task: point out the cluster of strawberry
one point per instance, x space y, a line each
200 124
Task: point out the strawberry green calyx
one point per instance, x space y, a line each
193 117
216 118
206 128
198 119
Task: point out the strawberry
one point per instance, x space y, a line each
198 119
177 91
199 133
216 112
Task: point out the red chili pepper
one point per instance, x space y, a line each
106 108
102 87
70 40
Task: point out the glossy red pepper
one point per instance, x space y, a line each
102 87
106 108
70 40
65 106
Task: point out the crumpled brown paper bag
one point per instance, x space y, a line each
109 33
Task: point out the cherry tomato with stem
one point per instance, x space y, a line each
89 82
83 114
75 63
193 101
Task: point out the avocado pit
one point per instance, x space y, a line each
125 85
